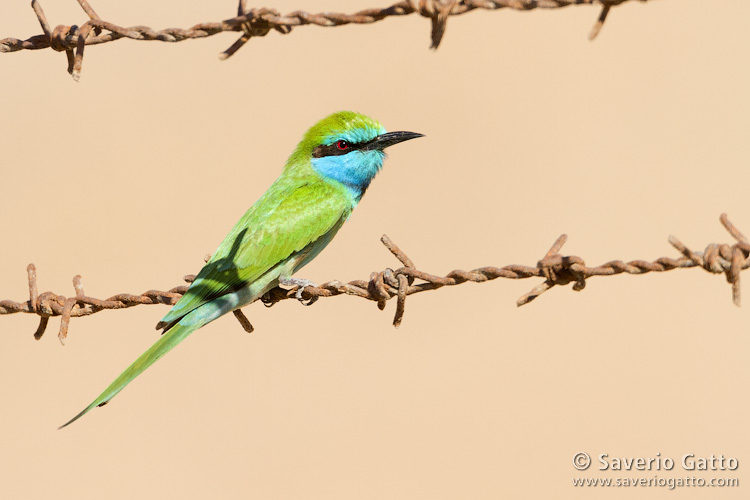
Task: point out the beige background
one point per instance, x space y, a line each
130 176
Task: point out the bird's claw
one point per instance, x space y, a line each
313 298
301 284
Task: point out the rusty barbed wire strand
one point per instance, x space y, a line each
258 22
556 269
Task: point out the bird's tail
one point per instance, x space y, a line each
174 336
198 317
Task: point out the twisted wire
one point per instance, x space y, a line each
258 22
556 269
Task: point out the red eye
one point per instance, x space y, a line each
342 145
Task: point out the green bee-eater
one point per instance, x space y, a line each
322 182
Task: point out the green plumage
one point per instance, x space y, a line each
295 212
286 228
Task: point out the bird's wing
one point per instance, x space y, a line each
283 226
283 222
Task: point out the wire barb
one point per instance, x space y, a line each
246 325
556 269
258 22
599 22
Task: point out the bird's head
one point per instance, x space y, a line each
347 147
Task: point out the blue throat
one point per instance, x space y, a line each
354 170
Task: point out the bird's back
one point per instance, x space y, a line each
298 210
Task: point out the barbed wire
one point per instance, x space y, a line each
556 269
257 22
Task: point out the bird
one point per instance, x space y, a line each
320 185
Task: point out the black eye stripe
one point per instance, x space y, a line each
333 149
330 150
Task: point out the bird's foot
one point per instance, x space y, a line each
301 284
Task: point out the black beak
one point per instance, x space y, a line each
389 139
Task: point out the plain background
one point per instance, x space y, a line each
131 175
